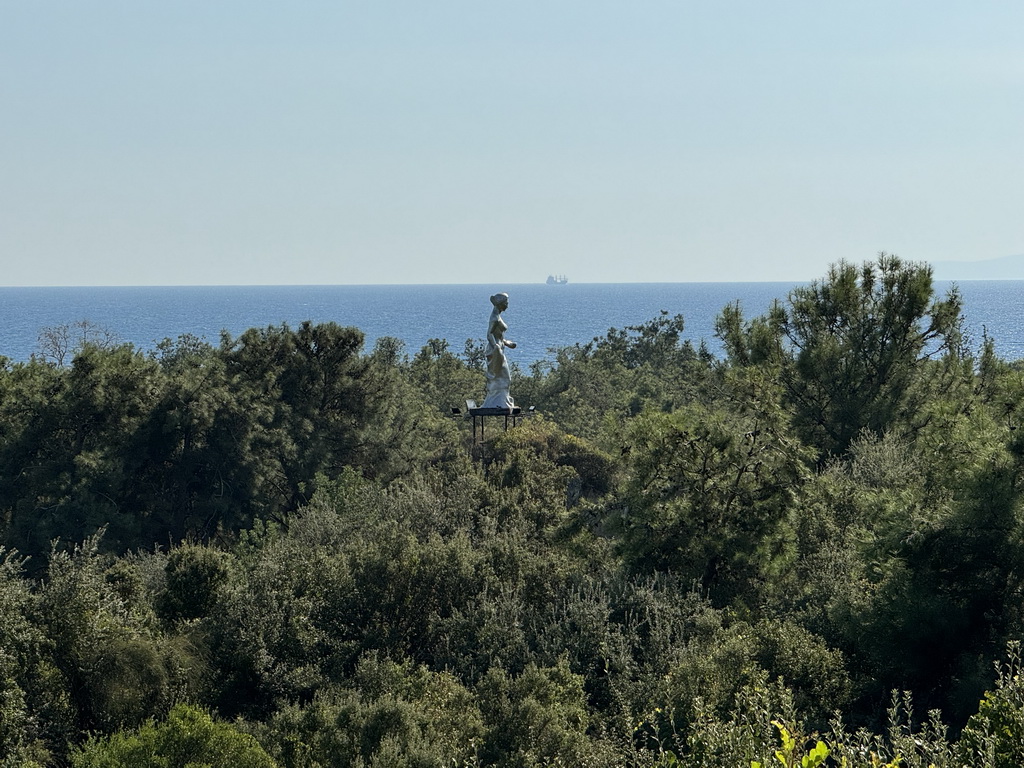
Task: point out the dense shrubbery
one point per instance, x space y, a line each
280 550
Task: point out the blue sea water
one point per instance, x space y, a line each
540 317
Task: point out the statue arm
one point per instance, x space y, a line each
499 340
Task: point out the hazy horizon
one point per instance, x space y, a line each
1009 268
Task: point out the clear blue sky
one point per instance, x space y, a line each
224 142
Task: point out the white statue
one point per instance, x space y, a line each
499 378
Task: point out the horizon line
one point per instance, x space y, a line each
438 285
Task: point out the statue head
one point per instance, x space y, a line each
500 301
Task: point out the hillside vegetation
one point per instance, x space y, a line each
282 550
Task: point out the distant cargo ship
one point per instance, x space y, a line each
557 279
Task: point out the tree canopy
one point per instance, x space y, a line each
283 549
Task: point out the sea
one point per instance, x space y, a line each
540 317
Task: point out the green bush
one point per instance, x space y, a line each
188 738
995 735
389 714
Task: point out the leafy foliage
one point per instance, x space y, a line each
708 493
850 348
282 550
188 738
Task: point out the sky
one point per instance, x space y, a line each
193 143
